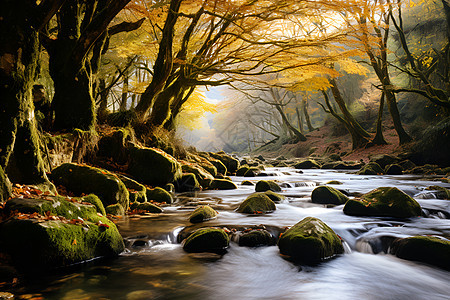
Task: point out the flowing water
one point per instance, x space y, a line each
154 266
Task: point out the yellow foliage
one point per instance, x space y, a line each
194 109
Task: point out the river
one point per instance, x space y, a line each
154 265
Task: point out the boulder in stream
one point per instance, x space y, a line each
310 241
383 202
55 233
136 191
213 240
187 183
153 166
328 195
223 184
267 185
307 164
202 213
257 203
145 207
256 238
428 249
274 196
394 169
85 179
115 209
159 195
372 168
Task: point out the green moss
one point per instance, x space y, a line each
383 202
242 170
229 162
56 205
442 192
114 145
220 167
42 245
148 207
383 160
274 196
246 182
153 166
334 182
94 200
267 185
427 249
203 176
252 172
84 179
206 240
371 168
187 183
159 195
5 186
328 195
307 164
256 238
257 203
136 191
202 213
115 209
223 184
310 241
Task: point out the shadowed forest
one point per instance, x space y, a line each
134 135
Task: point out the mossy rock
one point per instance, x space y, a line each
256 238
384 159
310 241
115 145
372 168
223 184
213 240
94 200
147 207
442 192
334 182
187 183
231 163
335 165
169 188
153 166
55 205
407 164
84 179
202 213
202 175
394 169
428 170
252 172
221 169
257 203
334 157
274 196
328 195
242 170
267 185
159 195
383 202
136 191
5 186
427 249
36 245
115 209
307 164
247 182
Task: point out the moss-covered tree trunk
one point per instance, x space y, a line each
379 138
306 114
20 153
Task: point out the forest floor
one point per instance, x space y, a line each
322 141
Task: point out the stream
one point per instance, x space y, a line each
154 265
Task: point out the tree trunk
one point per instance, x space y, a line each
291 128
358 140
20 154
162 68
102 110
299 120
379 139
345 112
123 102
306 114
395 114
